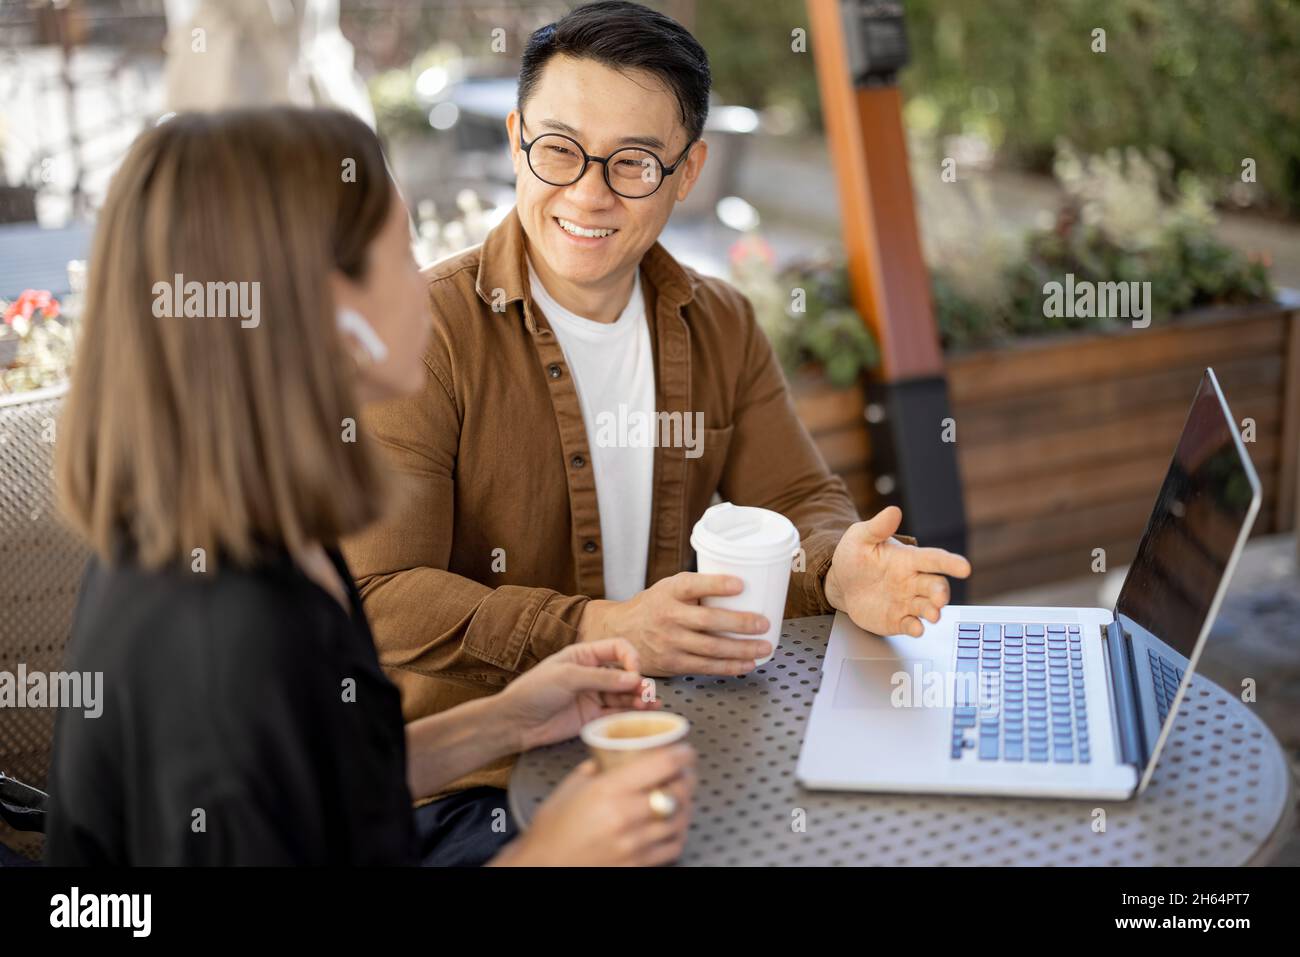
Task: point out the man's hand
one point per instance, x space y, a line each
670 629
577 684
885 586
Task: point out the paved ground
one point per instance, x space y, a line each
1256 635
789 179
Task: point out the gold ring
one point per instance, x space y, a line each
662 804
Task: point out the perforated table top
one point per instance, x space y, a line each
1220 795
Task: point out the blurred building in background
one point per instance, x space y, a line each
227 53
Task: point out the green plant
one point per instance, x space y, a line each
396 109
806 312
1125 219
755 58
402 97
1208 83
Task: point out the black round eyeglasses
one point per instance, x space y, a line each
631 172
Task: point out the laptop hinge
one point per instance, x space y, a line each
1122 693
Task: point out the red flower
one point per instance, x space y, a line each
30 302
751 246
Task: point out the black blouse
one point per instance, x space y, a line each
245 720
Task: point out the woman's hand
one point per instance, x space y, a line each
606 819
553 700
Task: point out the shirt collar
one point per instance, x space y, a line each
503 266
542 296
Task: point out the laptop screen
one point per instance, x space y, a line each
1205 503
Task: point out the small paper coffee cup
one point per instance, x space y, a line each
619 738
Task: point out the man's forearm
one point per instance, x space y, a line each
435 622
593 622
444 747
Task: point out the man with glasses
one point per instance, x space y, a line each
533 516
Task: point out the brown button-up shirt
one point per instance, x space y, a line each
493 546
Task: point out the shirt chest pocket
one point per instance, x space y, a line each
704 464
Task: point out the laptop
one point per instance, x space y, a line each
1046 702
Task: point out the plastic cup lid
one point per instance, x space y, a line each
745 533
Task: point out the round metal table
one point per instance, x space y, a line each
1221 794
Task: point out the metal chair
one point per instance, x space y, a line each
41 563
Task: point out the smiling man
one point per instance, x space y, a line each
523 527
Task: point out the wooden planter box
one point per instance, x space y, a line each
835 419
1062 441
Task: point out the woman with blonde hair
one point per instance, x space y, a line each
251 285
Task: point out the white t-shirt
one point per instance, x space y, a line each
613 370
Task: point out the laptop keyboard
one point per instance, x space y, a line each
1166 679
1020 694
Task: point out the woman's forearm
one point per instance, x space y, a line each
443 747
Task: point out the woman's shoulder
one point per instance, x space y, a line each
265 615
225 693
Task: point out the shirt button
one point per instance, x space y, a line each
577 461
554 370
588 546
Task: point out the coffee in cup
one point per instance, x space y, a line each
757 546
619 738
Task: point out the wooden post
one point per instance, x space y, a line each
868 148
1288 492
908 414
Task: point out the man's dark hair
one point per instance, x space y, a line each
626 36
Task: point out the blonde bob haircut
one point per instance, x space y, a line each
218 432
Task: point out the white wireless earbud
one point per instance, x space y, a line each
351 321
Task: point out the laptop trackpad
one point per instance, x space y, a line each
874 682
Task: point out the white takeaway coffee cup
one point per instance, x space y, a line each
756 545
